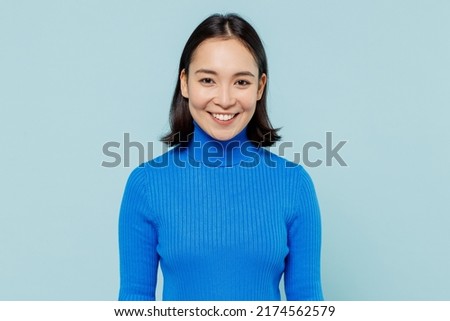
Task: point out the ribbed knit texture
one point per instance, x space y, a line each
224 225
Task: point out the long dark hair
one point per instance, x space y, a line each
259 129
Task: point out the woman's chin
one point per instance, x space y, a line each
223 136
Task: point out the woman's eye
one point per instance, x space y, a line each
206 81
242 83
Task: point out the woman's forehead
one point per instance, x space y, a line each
218 54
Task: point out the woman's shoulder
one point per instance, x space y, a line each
272 159
153 173
286 168
149 168
165 160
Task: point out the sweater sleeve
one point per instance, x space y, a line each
302 269
137 241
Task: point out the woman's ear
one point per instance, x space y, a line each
183 84
261 85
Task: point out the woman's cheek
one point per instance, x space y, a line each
247 101
198 101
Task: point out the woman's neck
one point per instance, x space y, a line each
216 153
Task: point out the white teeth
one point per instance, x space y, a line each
223 116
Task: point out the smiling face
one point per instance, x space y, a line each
222 87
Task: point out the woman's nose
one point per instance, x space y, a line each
225 98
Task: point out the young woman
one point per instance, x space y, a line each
224 217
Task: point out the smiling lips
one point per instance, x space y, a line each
223 117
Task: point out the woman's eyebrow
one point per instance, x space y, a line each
212 72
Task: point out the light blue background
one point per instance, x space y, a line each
77 74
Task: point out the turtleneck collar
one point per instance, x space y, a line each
216 153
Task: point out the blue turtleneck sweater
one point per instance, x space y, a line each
225 220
